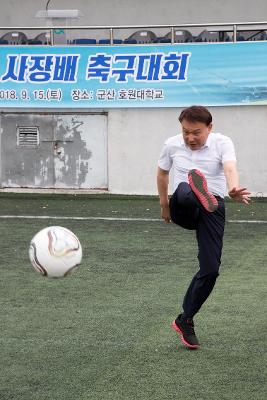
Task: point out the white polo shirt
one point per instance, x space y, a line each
209 160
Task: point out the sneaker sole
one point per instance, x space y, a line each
190 346
198 184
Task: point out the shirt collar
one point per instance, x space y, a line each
208 141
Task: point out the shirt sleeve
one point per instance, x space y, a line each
228 150
165 159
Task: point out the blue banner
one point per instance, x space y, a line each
133 76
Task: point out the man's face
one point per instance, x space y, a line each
195 133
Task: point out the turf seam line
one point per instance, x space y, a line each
241 221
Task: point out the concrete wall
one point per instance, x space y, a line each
129 12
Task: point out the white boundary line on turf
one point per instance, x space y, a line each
78 218
245 221
236 221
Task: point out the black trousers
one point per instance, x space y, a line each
187 212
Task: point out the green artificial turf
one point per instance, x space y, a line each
105 205
104 333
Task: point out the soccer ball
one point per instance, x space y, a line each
55 252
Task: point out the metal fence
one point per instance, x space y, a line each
255 31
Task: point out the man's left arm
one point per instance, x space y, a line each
232 178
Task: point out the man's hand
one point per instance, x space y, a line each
165 213
240 194
232 177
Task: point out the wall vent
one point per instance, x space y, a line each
28 136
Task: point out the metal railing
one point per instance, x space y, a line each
231 27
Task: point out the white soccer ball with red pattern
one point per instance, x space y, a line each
55 252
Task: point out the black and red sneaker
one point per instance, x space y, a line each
198 184
187 333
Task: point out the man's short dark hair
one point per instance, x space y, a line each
196 114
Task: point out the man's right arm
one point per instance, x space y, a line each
163 183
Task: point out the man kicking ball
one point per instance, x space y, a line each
204 165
